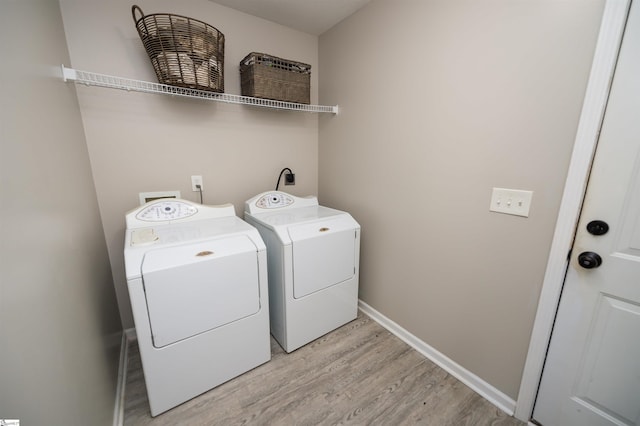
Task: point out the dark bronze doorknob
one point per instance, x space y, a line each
597 227
589 260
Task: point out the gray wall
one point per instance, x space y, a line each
441 101
59 323
141 142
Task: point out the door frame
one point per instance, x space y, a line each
605 57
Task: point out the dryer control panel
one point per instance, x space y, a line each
166 210
274 200
277 200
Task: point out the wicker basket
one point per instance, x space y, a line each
270 77
184 52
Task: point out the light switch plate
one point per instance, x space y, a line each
511 201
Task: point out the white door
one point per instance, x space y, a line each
592 371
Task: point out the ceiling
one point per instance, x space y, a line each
309 16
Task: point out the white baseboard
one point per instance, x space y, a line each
480 386
118 411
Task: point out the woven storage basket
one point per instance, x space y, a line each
270 77
184 52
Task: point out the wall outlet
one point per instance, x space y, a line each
196 180
511 201
290 179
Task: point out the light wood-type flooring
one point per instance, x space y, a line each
359 374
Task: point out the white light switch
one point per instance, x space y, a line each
511 201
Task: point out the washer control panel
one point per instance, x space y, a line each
274 200
166 210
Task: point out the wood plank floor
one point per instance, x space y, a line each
359 374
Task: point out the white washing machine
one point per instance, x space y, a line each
197 279
313 255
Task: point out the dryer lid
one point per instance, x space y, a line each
281 221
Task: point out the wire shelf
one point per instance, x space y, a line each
112 82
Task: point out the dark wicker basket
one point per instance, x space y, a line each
270 77
184 52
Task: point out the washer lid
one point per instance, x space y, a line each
194 288
139 241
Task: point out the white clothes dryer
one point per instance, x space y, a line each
197 280
313 255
